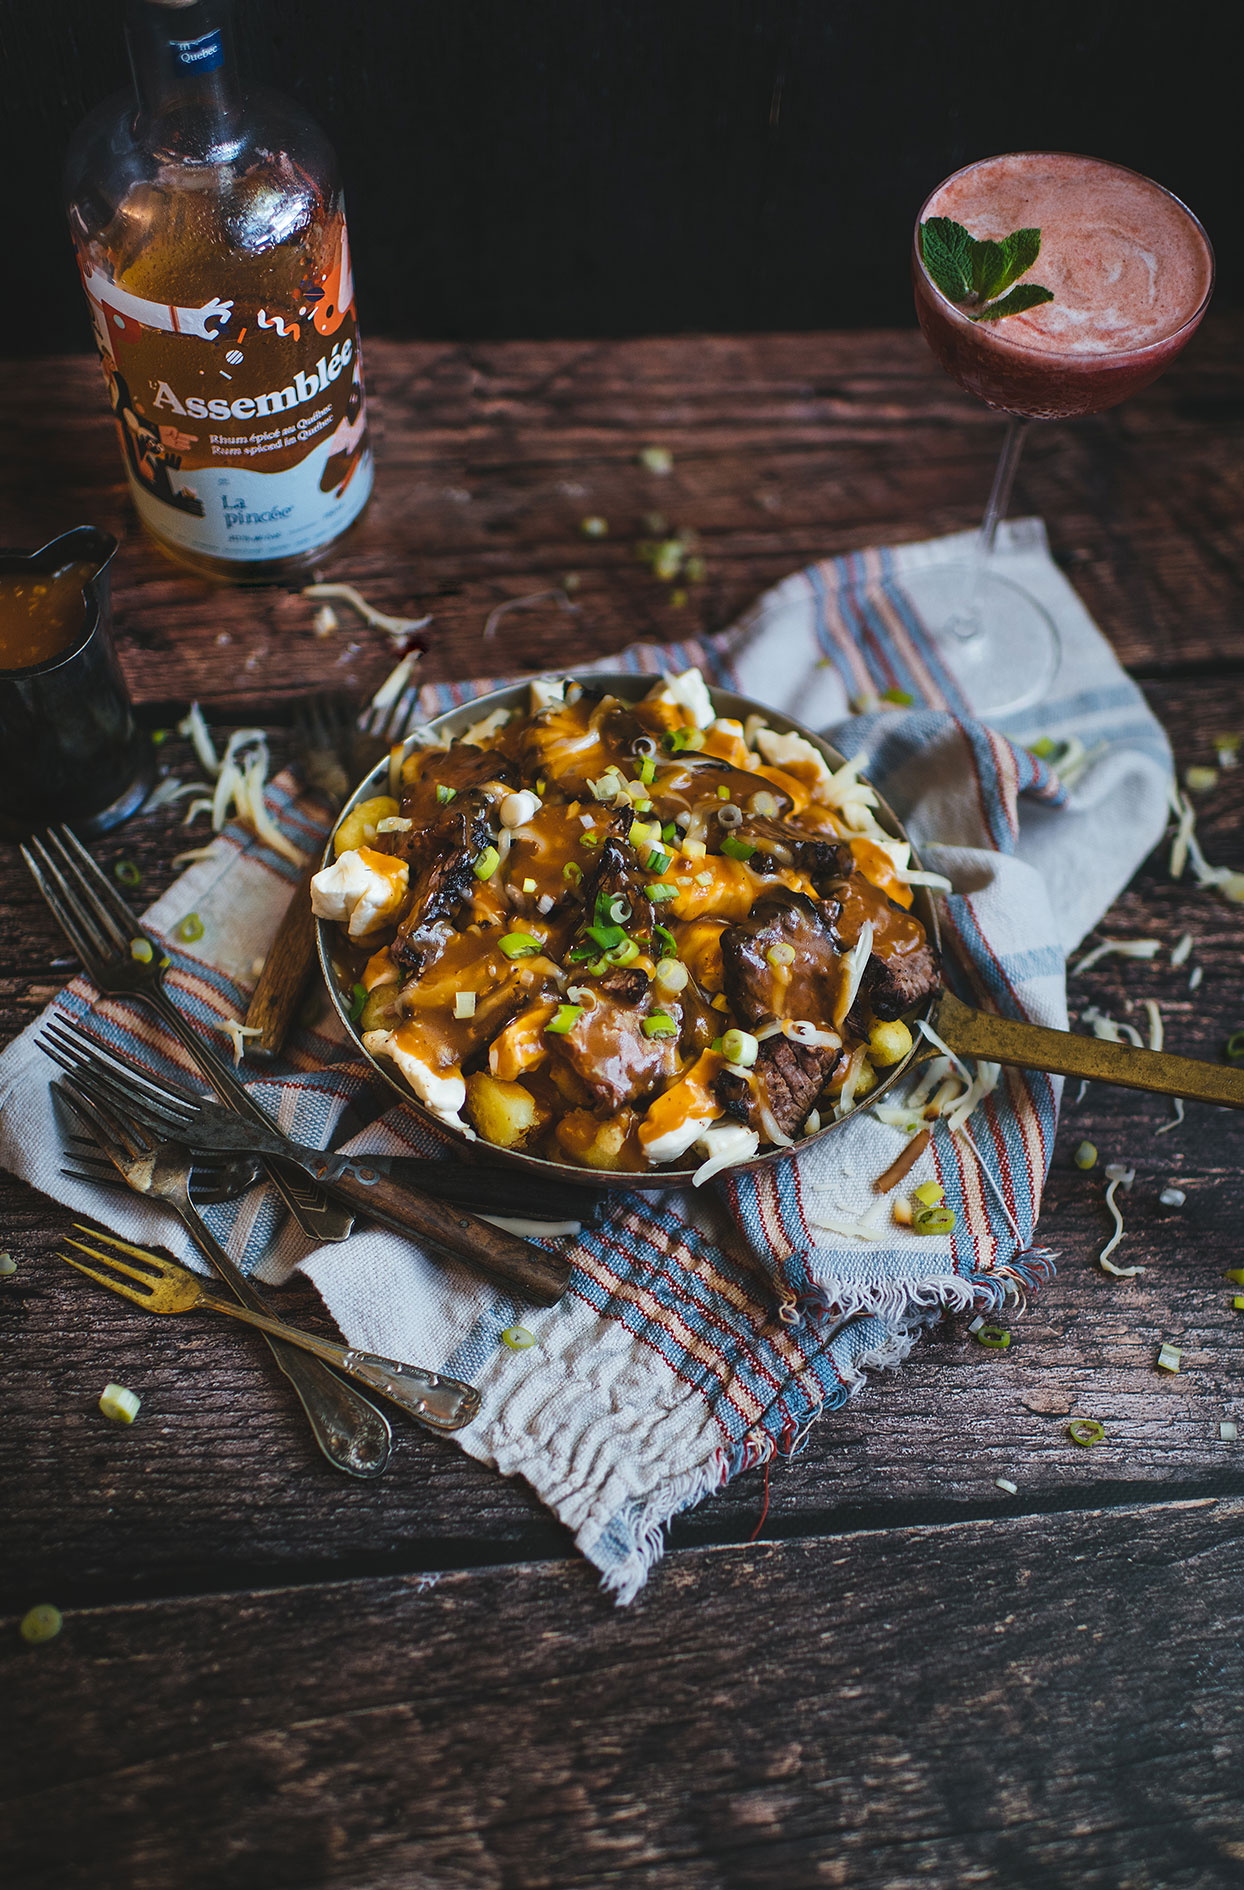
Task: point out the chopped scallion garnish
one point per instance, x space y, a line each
1086 1432
357 1001
190 928
658 862
127 873
1086 1156
735 848
487 863
572 872
518 1338
660 1024
739 1046
564 1020
997 1338
940 1220
520 945
119 1403
445 794
666 943
658 894
41 1623
930 1194
142 950
1169 1357
901 698
647 770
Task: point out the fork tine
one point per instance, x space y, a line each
103 900
148 1279
124 1084
101 1180
75 1040
49 883
153 1260
105 1127
104 1279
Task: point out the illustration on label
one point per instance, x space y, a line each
244 427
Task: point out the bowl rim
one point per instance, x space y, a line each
633 687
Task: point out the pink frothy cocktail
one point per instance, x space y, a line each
1129 266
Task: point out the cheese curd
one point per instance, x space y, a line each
362 890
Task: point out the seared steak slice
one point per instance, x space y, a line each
461 768
616 875
898 981
808 986
611 1056
790 1076
778 844
442 877
624 987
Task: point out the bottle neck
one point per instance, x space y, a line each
185 76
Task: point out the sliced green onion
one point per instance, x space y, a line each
1043 749
487 863
606 936
590 839
518 1338
996 1337
1086 1432
142 950
624 954
1200 780
671 975
937 1220
445 794
658 894
520 945
715 1046
1086 1156
901 698
41 1623
581 952
647 770
679 739
572 872
736 849
669 831
8 1266
930 1194
567 1016
190 928
739 1046
1169 1357
127 873
159 736
1237 1304
780 954
119 1403
1235 1275
723 792
658 862
1235 1045
617 909
660 1024
666 943
357 1002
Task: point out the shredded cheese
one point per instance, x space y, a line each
395 627
1119 948
237 1033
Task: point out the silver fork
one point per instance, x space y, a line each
335 748
124 961
352 1434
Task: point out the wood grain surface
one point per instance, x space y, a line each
268 1676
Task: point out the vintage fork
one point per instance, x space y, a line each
162 1286
334 749
352 1434
125 962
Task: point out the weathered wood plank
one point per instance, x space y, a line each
1009 1702
786 448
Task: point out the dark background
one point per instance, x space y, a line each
618 167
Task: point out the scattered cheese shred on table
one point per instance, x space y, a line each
395 627
1119 948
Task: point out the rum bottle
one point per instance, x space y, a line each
210 233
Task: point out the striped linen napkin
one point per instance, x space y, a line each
697 1338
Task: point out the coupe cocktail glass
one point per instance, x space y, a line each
1131 271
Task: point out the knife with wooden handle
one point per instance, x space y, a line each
286 971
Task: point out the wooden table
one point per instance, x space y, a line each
269 1676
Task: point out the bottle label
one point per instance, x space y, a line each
244 427
203 54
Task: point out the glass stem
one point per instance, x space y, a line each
965 623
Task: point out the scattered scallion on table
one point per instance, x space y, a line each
41 1623
1086 1431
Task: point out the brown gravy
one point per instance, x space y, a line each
42 613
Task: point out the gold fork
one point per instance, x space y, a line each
162 1286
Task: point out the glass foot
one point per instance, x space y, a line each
1000 645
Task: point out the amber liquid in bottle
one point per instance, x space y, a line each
211 236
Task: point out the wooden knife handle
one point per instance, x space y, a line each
527 1271
283 980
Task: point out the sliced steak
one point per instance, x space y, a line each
790 1077
461 768
442 877
611 1056
778 844
897 981
806 988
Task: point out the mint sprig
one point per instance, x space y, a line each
978 272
